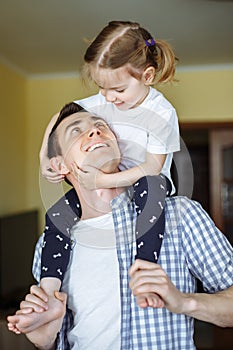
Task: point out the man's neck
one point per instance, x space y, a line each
96 202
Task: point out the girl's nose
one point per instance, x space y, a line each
110 96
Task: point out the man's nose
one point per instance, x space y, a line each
94 132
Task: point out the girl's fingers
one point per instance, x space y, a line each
55 179
75 168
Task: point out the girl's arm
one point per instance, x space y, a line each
46 170
94 179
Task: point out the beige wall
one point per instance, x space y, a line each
13 140
28 104
202 95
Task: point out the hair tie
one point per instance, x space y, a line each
150 42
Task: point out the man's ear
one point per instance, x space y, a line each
58 165
149 75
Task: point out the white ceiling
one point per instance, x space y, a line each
47 36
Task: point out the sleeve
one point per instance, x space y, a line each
164 134
36 266
62 340
93 103
208 252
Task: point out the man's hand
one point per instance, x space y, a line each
35 306
150 278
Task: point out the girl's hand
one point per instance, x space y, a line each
52 176
90 178
49 173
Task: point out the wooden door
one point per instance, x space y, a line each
221 180
221 204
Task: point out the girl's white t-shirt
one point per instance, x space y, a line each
92 285
151 127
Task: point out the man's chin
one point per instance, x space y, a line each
108 167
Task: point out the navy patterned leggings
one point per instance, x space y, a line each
149 196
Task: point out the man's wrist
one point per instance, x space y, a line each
49 345
193 305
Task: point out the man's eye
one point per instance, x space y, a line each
99 124
75 131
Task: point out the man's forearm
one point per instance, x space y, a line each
216 308
213 308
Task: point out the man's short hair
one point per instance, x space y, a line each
54 148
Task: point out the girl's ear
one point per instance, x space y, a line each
58 165
149 75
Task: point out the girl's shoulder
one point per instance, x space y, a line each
156 101
92 101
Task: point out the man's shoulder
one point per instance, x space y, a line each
181 211
182 205
184 200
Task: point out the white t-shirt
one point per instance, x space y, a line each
92 285
151 127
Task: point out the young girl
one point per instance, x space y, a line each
124 61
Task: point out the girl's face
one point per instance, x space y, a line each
120 88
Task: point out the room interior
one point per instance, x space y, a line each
202 96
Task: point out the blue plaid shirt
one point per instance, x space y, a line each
193 248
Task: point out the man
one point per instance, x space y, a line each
103 279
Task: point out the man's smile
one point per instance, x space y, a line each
95 146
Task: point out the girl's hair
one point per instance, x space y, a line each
127 44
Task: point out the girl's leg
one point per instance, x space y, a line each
60 218
149 196
55 255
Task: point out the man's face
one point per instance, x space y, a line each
88 141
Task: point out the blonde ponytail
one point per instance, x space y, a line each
166 62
